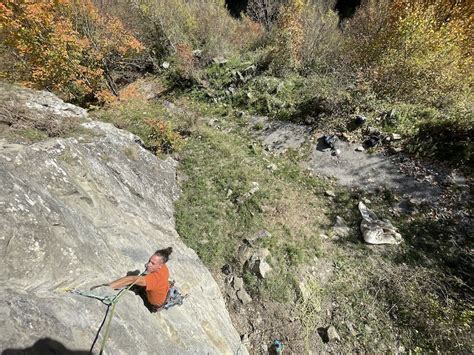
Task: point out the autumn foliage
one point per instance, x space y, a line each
66 46
413 50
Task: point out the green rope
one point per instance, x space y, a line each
107 300
114 302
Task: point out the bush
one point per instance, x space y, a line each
417 51
305 36
64 46
321 35
265 12
200 24
288 38
446 140
162 137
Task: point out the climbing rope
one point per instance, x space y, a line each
108 301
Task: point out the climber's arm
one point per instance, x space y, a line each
128 280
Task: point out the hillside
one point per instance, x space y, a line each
322 149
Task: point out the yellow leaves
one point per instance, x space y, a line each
63 43
419 55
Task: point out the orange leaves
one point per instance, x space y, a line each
162 137
61 45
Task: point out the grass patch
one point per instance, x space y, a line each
216 212
162 131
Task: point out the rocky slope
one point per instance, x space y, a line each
84 210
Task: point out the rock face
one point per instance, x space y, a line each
81 211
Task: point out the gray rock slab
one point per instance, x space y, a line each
366 171
75 213
279 136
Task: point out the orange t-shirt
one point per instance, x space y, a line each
157 286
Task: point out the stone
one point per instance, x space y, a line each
351 329
255 188
237 283
197 53
60 216
330 193
340 227
372 130
244 252
219 61
360 148
332 334
261 234
262 268
272 167
243 296
256 262
395 137
261 253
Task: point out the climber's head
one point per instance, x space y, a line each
158 259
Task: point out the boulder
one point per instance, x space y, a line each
257 263
78 212
243 296
333 334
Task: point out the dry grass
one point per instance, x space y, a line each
21 123
298 211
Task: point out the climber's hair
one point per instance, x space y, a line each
164 253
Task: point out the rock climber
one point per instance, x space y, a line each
155 283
